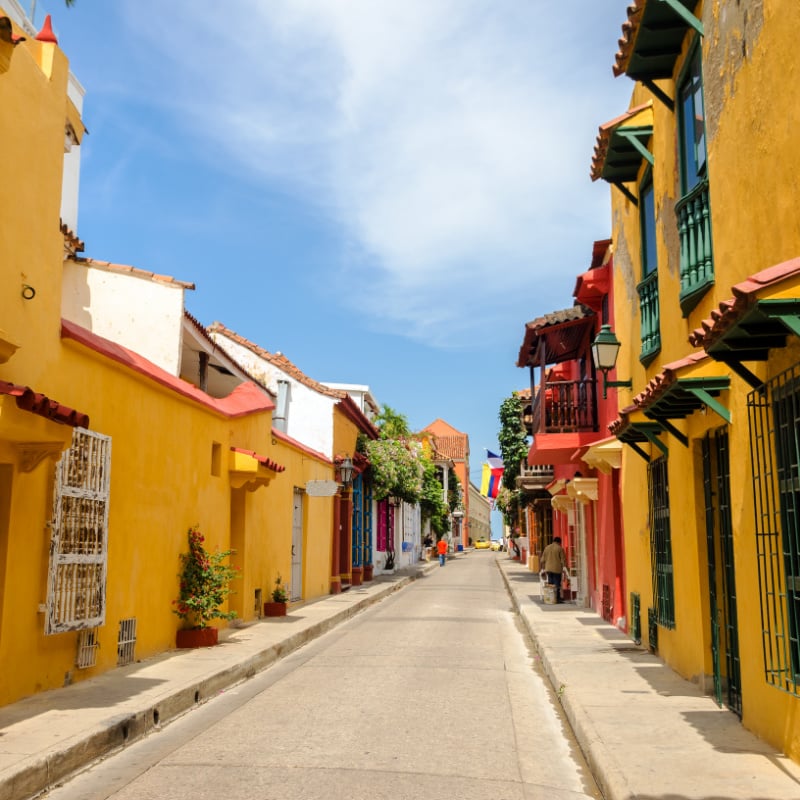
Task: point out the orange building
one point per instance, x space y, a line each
454 445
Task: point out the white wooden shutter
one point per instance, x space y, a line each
76 586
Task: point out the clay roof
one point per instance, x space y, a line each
604 134
560 343
454 447
35 402
629 30
72 241
263 460
135 271
664 380
278 360
246 398
745 296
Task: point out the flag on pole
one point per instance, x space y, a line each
495 462
492 475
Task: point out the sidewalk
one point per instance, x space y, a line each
48 736
645 732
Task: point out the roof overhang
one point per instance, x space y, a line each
557 337
652 38
605 455
622 146
592 286
584 490
764 311
249 470
636 431
562 503
557 448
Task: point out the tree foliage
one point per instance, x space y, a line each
392 424
512 438
395 468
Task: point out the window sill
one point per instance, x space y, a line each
691 297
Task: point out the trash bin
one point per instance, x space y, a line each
460 548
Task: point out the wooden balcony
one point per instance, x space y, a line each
565 407
534 478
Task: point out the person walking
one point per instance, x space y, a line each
554 563
441 547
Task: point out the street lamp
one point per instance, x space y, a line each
605 349
346 471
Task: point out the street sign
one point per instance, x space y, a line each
321 488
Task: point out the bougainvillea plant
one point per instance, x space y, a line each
204 583
396 468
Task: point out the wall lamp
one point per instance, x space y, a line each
346 471
605 349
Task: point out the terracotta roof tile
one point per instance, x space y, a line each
126 269
218 348
745 296
247 398
73 243
451 446
263 460
629 30
604 138
40 404
278 360
664 380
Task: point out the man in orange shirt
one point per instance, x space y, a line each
441 548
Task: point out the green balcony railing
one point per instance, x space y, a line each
697 260
650 328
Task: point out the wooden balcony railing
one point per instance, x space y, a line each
697 260
565 407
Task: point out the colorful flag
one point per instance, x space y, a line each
492 475
495 462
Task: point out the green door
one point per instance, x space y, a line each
721 574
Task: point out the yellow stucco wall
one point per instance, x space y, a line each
170 453
749 58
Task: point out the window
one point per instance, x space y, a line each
661 543
647 205
649 318
774 414
76 587
693 209
692 125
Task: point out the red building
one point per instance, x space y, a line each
571 480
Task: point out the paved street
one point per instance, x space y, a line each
433 693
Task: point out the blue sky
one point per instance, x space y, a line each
383 190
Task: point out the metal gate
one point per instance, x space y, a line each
296 586
774 418
661 544
76 585
721 572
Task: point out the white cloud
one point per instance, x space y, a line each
451 139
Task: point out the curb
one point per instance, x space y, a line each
37 774
598 757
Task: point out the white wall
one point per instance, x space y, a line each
70 181
141 314
310 417
408 531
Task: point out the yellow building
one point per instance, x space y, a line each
706 238
108 455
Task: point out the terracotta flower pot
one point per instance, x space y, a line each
196 637
273 609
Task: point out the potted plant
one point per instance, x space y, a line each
204 584
280 599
